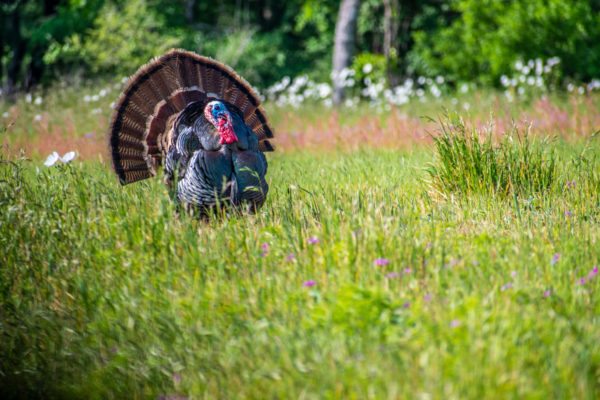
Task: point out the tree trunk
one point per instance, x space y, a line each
190 5
345 36
17 46
390 33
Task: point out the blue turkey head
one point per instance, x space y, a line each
216 113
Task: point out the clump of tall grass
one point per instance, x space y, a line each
471 160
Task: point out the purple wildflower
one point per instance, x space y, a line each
513 273
475 262
547 293
454 323
407 304
381 261
407 271
357 232
313 240
176 377
555 258
291 256
309 283
581 281
392 275
568 213
506 286
595 271
427 297
265 249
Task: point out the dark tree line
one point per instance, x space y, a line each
42 41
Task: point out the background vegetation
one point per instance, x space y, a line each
266 40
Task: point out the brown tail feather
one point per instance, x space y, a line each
141 125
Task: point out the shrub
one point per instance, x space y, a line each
468 161
124 37
489 36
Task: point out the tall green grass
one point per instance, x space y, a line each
105 292
471 160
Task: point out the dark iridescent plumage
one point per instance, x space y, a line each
200 119
207 172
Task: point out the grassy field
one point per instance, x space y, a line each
364 276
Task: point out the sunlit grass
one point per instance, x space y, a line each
352 282
470 160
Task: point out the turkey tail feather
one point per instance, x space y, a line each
141 125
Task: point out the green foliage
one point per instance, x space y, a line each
124 37
377 69
489 36
468 161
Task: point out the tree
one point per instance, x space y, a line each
345 36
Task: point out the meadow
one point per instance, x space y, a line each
396 257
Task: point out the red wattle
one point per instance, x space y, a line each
226 132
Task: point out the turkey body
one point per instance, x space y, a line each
199 120
204 173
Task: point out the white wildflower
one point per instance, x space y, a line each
38 101
539 66
439 80
28 98
38 117
367 68
519 65
52 159
86 98
68 157
539 81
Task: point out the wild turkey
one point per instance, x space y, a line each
206 124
